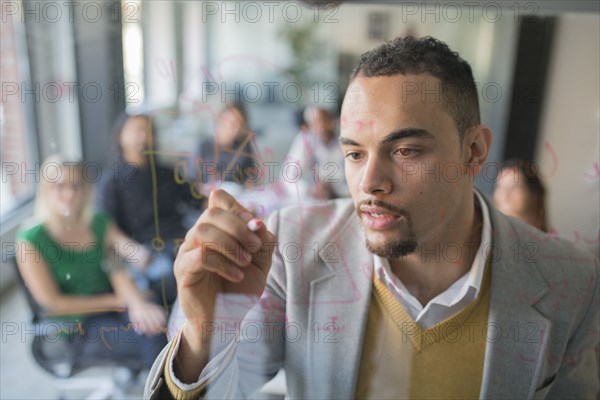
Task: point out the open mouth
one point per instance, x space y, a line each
378 218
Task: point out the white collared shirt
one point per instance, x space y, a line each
459 295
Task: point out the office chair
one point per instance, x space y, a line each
67 366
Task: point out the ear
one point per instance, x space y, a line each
476 147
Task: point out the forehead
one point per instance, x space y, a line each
509 176
320 114
394 102
57 173
231 113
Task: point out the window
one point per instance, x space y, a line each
379 26
133 53
18 149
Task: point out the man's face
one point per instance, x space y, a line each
135 135
404 162
321 124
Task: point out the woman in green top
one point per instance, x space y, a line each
70 264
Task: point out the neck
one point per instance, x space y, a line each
437 264
225 143
59 223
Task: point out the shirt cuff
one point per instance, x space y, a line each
210 373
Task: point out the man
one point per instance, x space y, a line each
320 159
417 288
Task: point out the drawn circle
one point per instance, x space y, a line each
158 244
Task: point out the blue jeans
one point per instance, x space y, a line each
99 339
158 277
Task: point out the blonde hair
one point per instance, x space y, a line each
42 211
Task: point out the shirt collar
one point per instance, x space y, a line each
475 274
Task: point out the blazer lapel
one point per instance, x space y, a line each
339 303
517 333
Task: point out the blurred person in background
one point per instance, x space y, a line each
317 153
227 157
127 193
520 193
68 262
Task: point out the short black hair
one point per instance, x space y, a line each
410 55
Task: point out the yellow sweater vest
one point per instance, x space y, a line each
402 361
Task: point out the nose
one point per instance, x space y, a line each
68 192
375 178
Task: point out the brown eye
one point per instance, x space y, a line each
407 152
353 155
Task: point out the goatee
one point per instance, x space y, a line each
397 249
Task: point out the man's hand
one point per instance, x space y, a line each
220 256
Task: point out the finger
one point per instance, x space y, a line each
156 323
234 226
219 198
153 320
138 318
262 232
234 221
217 244
192 263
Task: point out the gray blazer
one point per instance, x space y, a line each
543 327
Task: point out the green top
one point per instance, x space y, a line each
76 271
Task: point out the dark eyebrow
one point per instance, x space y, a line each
407 133
348 142
397 135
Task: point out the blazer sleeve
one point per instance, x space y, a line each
252 356
578 376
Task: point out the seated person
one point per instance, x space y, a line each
320 160
520 193
70 273
229 156
146 203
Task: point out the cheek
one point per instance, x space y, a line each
79 198
499 198
53 195
55 202
519 200
352 177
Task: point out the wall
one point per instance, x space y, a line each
568 151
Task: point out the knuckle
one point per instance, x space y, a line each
212 212
218 194
189 236
204 229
